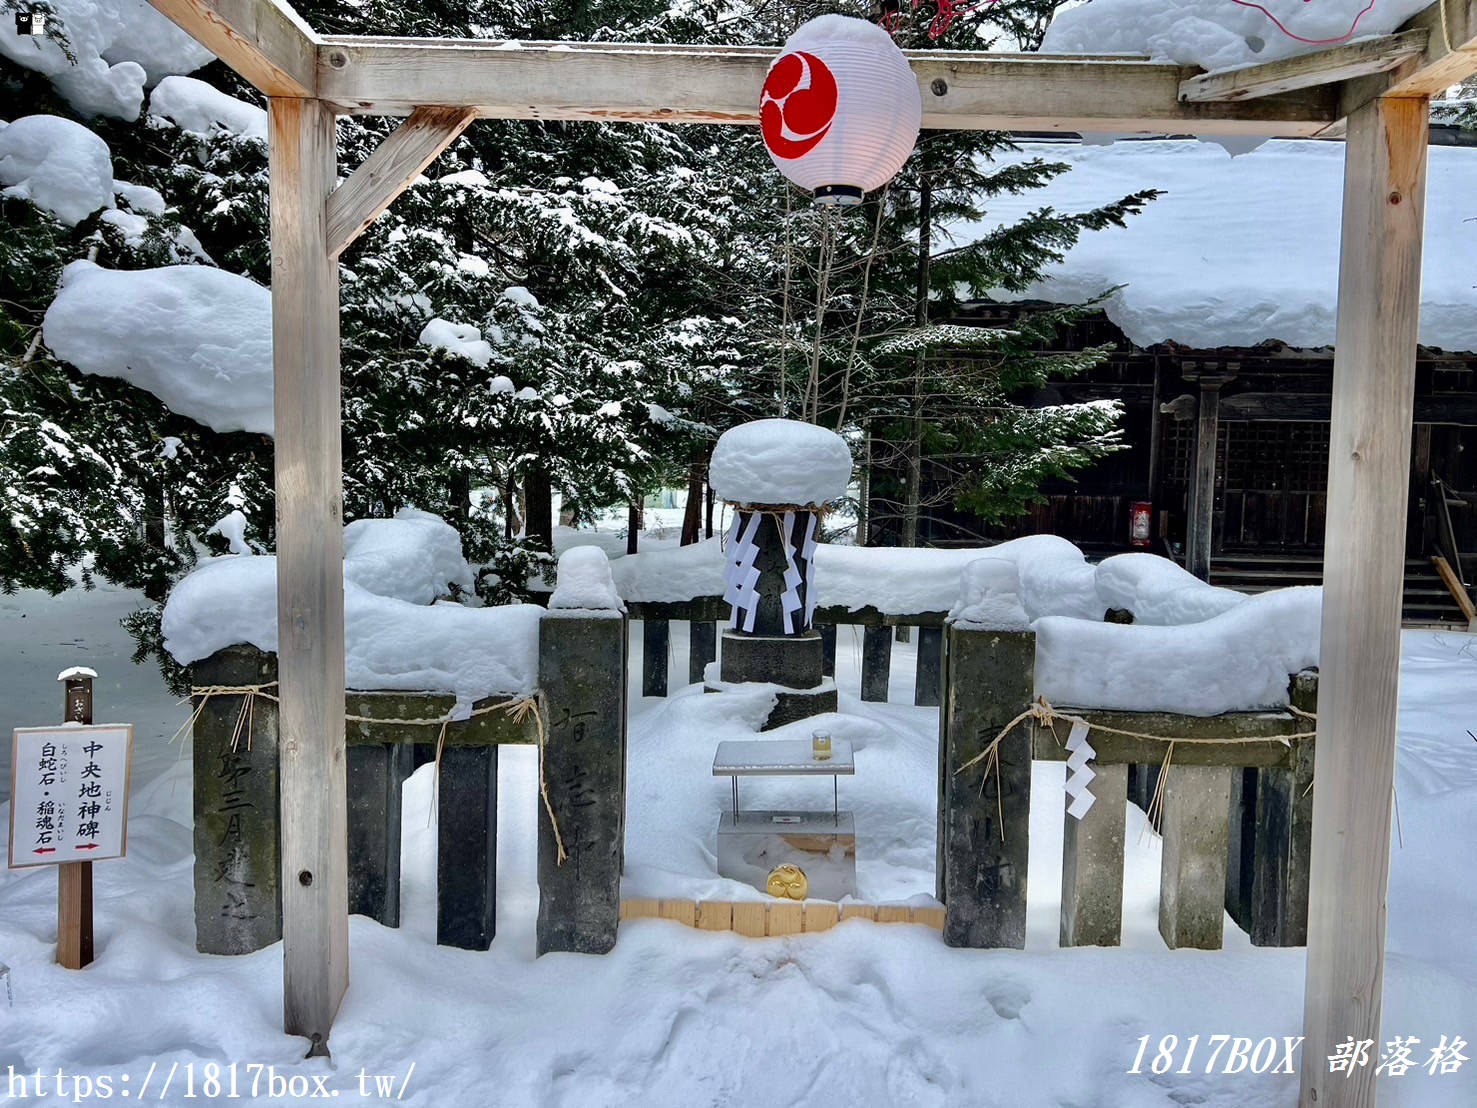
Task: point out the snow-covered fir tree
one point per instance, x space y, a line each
576 307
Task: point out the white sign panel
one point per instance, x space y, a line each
68 793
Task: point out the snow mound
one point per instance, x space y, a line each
1217 34
1159 591
679 573
585 581
415 557
56 164
990 597
198 338
120 46
1220 220
1054 576
1237 661
202 109
457 338
780 461
395 637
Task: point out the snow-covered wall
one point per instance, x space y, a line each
1237 250
1237 661
395 636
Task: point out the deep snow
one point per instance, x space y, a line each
865 1014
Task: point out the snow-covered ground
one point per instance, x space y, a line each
865 1014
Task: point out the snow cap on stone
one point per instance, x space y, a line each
778 462
58 165
198 338
990 597
585 581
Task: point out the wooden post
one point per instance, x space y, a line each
702 648
310 562
74 945
927 674
876 663
1199 530
655 643
1363 577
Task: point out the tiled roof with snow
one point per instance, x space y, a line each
1239 250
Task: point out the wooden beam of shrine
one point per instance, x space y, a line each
310 569
721 85
389 171
1356 59
1455 410
1363 575
263 40
1450 56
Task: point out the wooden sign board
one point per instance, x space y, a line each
69 793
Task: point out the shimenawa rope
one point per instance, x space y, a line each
517 708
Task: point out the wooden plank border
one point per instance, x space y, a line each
775 918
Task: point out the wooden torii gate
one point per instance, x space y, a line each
1375 92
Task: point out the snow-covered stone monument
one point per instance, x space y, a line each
778 474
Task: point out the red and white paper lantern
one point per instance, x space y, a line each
840 109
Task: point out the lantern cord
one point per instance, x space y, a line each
812 404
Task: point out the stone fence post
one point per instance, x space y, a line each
989 678
238 855
582 683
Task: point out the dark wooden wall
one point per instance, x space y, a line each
1271 452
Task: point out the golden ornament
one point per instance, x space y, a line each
788 882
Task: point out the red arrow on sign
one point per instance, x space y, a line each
86 846
44 850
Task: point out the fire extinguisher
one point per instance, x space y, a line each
1140 516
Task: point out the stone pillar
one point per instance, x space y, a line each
769 654
374 775
238 855
983 833
1092 864
466 847
582 679
1192 871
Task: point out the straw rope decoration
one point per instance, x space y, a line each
1042 713
517 707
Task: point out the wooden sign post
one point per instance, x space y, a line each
74 947
69 807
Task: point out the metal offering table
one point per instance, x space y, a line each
791 854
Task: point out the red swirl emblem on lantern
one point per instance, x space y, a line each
840 109
797 105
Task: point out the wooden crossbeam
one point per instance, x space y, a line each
263 40
389 171
1356 59
1450 56
720 85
